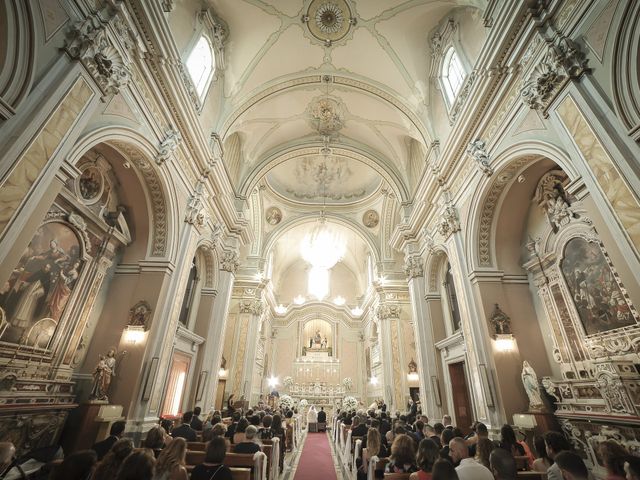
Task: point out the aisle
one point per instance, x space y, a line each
316 461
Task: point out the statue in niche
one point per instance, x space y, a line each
531 386
413 366
317 338
102 374
553 199
324 342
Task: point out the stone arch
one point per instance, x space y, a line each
433 267
626 74
207 255
489 195
17 54
382 167
159 191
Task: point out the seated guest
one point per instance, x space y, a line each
241 428
430 433
155 440
218 430
196 423
483 452
427 455
479 431
101 448
543 462
139 465
555 443
632 468
185 431
571 466
265 432
108 468
418 431
446 421
509 442
403 455
358 429
445 438
170 464
613 457
322 416
77 466
468 468
234 424
248 445
212 468
503 465
443 470
374 448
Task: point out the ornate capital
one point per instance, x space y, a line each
449 222
89 43
168 146
413 266
196 212
387 311
562 62
478 153
253 306
230 261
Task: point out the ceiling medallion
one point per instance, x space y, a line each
371 219
326 116
273 216
328 20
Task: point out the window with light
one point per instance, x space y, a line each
200 64
452 75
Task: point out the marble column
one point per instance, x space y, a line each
250 313
423 334
389 317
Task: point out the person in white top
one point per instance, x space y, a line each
468 469
312 416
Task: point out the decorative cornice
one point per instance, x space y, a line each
477 151
413 267
562 62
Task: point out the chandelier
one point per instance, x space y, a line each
322 248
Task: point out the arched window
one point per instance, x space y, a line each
189 295
200 64
452 75
452 299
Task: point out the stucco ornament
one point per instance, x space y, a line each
413 267
328 20
168 146
230 261
196 212
139 314
347 383
478 152
500 321
449 222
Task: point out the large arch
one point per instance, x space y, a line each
488 196
159 191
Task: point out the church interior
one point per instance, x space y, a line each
332 239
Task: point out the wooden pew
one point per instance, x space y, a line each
240 473
193 458
530 475
397 476
376 463
256 462
197 446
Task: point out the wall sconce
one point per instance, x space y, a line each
134 334
374 381
502 330
413 377
222 373
273 381
281 309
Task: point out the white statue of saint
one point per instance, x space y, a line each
531 386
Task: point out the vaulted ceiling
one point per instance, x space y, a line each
327 102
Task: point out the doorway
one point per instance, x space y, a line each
172 404
461 402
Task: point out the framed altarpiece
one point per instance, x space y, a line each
47 300
594 326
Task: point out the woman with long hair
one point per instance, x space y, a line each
613 457
509 442
170 464
403 455
444 470
484 447
138 466
155 440
428 453
212 467
108 468
543 462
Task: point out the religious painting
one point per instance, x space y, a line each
38 290
90 184
594 289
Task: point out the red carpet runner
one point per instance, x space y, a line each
316 462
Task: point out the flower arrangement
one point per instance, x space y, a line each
287 381
286 402
303 403
347 383
349 403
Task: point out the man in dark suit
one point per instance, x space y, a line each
232 428
185 431
103 447
359 429
196 423
322 416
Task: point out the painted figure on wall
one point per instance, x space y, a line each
41 284
596 294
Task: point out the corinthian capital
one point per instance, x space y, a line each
413 266
252 306
230 261
387 311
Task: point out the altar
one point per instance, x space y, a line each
317 352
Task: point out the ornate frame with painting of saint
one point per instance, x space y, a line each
37 293
595 288
90 184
